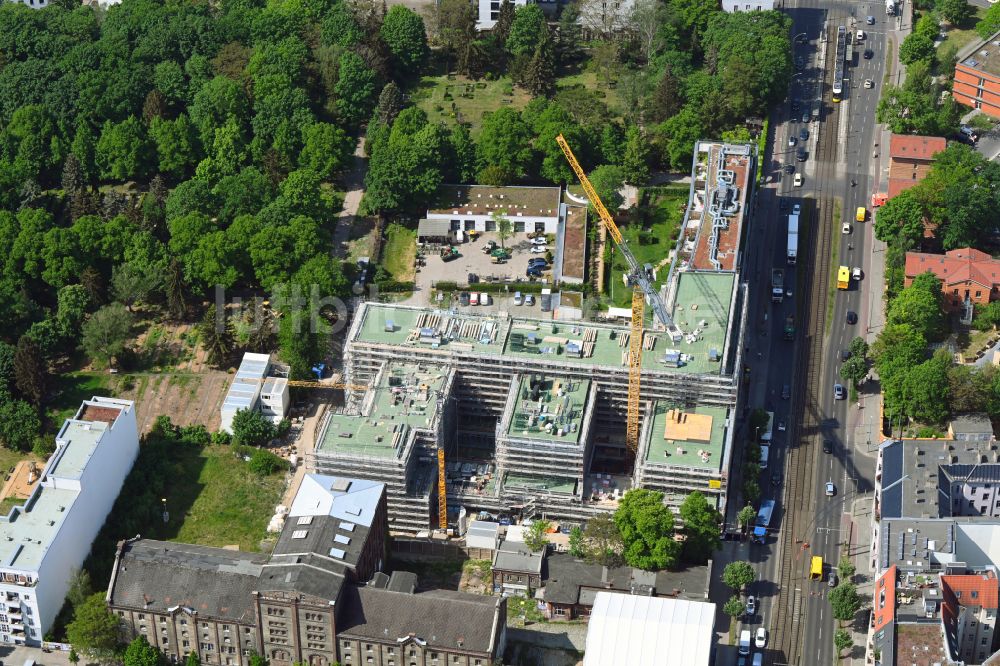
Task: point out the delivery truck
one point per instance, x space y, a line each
793 238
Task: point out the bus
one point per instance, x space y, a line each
816 569
765 437
843 277
838 63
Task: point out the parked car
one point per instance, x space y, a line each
852 317
529 299
474 298
537 261
839 393
533 273
760 638
517 298
463 298
845 354
539 249
485 299
798 180
751 606
539 240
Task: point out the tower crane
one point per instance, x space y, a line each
305 383
642 289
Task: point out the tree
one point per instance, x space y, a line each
576 542
355 88
916 47
93 629
192 659
72 175
602 541
326 149
846 568
608 180
539 75
701 528
746 516
953 11
216 336
676 137
738 575
173 285
505 144
106 333
74 658
919 305
844 601
140 653
31 373
734 607
252 428
666 100
80 587
176 147
925 389
19 425
854 370
647 529
505 20
134 281
257 659
122 150
842 640
504 228
990 22
403 32
536 537
635 161
526 31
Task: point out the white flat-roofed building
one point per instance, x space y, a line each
44 541
635 629
471 208
259 384
733 6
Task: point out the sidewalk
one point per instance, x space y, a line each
858 522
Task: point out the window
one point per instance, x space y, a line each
140 616
165 640
186 643
183 622
559 611
491 225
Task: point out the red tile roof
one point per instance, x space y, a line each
956 266
971 590
884 602
903 146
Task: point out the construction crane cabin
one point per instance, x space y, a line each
642 291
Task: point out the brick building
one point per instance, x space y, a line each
910 159
977 76
295 604
968 277
969 612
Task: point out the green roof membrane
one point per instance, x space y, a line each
405 398
687 452
552 411
701 310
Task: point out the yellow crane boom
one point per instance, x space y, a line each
302 383
638 301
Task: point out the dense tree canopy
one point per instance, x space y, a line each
647 529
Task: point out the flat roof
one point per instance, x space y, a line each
247 382
555 415
702 303
692 424
84 436
983 55
574 251
405 398
920 644
722 182
484 200
551 483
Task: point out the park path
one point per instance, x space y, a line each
354 182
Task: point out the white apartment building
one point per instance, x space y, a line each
259 384
472 207
44 541
733 6
489 12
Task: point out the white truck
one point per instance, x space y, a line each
890 7
744 647
764 455
777 285
765 437
793 239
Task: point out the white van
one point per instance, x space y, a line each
764 450
745 641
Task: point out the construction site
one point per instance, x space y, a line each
524 417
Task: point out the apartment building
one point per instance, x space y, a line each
910 159
969 614
969 277
43 540
977 76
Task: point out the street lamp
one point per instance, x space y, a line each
166 514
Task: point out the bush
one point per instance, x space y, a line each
44 447
284 425
221 438
394 286
196 435
265 463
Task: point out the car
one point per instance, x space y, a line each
831 489
760 638
860 35
869 54
839 393
801 155
484 299
537 260
745 640
832 581
869 83
845 354
861 214
856 273
786 392
852 317
529 299
518 299
805 115
751 606
537 264
463 298
870 20
539 240
533 273
789 169
538 249
791 141
846 228
968 133
796 209
473 278
783 205
802 38
474 298
827 446
803 134
798 180
781 425
775 478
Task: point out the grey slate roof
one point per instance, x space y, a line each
402 581
442 618
307 574
515 556
160 575
320 536
972 424
568 580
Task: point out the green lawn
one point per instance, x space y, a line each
227 504
74 388
959 37
450 100
399 252
650 237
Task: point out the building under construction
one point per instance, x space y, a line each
531 413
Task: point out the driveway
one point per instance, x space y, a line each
16 656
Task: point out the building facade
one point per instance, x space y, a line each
968 277
50 535
910 159
969 615
977 76
733 6
259 384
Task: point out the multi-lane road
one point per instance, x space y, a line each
839 175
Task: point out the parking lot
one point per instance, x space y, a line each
472 260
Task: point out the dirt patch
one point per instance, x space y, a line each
186 397
22 481
477 577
